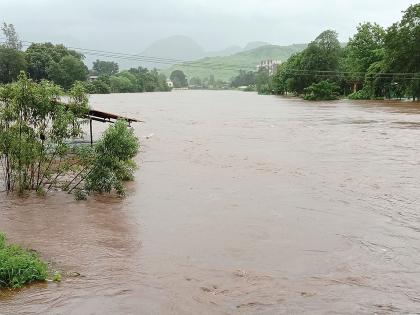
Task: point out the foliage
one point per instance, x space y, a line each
362 94
12 60
376 63
98 86
323 90
113 162
402 51
179 79
66 72
129 81
244 78
12 38
55 62
105 67
34 129
19 266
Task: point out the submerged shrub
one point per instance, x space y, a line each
321 91
113 163
19 266
362 94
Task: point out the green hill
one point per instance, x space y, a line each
226 67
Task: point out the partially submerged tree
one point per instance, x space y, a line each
34 131
37 151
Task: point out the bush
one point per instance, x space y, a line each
321 91
362 94
19 266
113 163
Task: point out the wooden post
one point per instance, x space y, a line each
91 135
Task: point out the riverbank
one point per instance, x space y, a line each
242 204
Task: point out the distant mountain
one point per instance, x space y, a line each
226 67
224 52
253 45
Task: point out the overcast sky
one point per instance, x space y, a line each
130 25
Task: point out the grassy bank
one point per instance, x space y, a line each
19 266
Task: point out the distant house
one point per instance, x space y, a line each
170 83
93 78
270 65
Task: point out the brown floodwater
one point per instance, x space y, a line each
243 204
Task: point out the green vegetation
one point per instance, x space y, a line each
36 148
135 80
224 68
113 160
323 90
376 63
179 79
105 68
19 266
65 67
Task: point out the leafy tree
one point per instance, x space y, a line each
105 67
362 51
12 62
67 71
34 132
323 90
44 59
402 51
121 84
179 79
12 38
244 78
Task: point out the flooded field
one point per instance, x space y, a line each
243 204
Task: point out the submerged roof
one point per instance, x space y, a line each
93 113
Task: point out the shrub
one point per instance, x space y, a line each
19 266
321 91
113 162
362 94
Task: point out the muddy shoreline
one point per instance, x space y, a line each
242 204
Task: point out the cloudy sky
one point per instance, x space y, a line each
131 25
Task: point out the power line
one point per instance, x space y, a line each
227 67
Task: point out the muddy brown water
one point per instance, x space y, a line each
243 204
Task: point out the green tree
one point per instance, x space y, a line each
105 67
402 51
12 62
66 72
12 38
44 59
362 51
179 79
321 91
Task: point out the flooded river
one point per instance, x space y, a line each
243 204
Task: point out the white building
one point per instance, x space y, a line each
270 65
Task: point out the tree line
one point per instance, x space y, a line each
376 63
64 67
